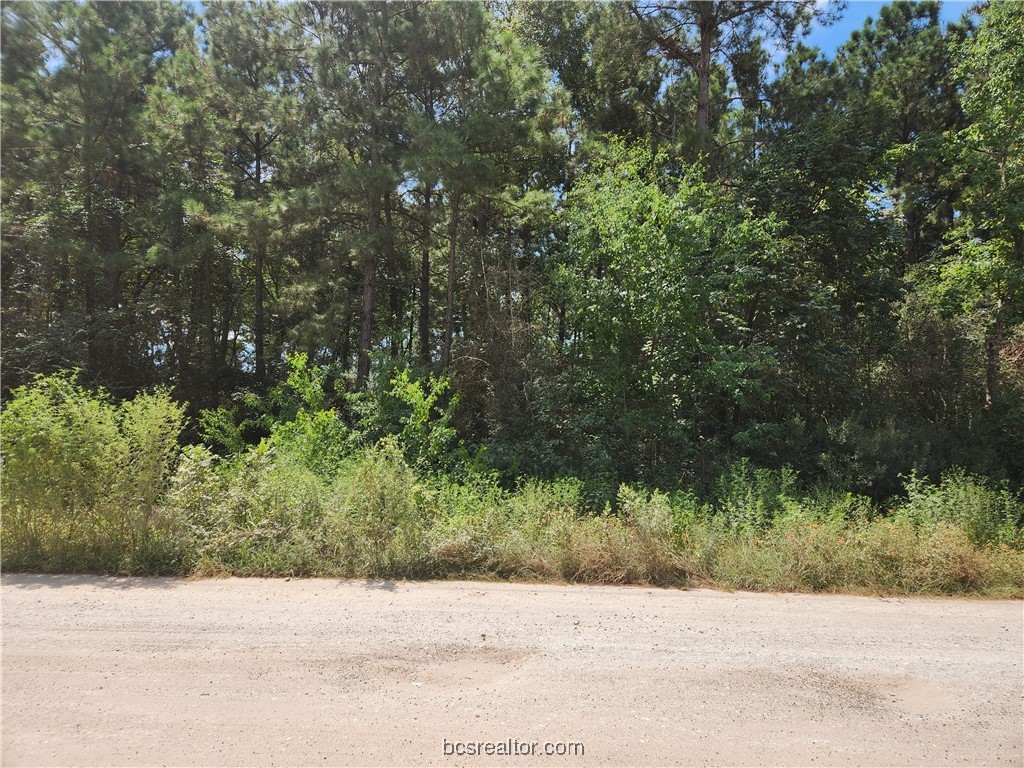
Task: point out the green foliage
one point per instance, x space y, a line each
219 427
881 557
82 475
688 302
749 498
652 514
301 421
418 413
259 513
90 484
379 526
197 486
427 434
985 514
305 386
418 266
319 438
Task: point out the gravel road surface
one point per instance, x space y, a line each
100 671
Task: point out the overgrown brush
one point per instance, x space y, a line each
82 476
883 557
378 527
90 484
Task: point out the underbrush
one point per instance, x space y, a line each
90 485
83 478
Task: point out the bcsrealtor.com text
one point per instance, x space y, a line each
513 747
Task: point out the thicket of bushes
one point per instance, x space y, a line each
90 484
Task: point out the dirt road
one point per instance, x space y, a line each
272 672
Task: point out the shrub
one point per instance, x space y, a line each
306 426
82 475
749 498
296 415
319 440
90 484
605 549
219 427
262 513
986 514
379 528
884 556
652 514
469 519
417 413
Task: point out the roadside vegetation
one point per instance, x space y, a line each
641 291
92 485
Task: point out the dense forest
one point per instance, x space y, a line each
649 243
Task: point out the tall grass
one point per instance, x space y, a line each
90 484
82 477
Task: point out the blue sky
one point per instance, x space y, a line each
828 39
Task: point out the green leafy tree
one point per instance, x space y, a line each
685 305
984 269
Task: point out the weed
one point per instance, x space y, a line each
90 484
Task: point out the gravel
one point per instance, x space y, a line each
117 671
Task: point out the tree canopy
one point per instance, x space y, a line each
628 241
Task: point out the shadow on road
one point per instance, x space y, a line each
58 581
381 584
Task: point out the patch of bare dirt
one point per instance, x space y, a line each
315 672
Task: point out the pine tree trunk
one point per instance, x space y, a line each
258 329
993 348
706 27
369 281
211 326
449 310
561 327
425 282
260 256
394 290
346 342
226 367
